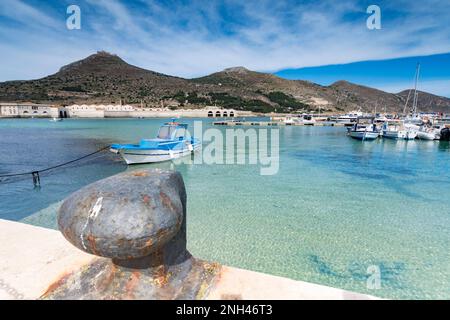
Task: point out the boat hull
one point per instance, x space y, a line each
363 135
427 135
400 135
141 156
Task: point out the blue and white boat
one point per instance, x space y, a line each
364 129
173 141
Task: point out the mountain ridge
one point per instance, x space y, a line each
106 78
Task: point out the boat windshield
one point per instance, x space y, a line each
165 132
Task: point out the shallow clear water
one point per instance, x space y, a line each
336 207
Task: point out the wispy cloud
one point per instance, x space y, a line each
195 38
20 11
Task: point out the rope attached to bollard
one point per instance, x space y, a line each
35 173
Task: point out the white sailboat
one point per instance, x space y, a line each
413 120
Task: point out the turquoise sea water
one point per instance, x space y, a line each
336 207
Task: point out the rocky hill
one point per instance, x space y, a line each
427 102
106 78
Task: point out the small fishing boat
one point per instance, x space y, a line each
307 120
173 141
364 129
289 120
395 129
304 119
54 119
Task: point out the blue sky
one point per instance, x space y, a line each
322 41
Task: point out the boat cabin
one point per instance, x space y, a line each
364 124
394 125
173 131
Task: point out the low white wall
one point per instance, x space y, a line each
86 113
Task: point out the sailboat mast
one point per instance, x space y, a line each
414 108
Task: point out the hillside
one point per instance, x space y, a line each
427 102
101 77
367 98
106 78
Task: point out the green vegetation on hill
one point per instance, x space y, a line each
225 100
286 102
281 102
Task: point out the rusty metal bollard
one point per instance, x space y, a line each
135 221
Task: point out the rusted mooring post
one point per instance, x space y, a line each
135 221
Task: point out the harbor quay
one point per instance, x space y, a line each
124 237
280 123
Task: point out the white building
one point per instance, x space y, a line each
27 110
216 112
128 111
85 111
99 111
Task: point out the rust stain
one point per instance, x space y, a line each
218 274
148 243
161 233
133 281
211 267
146 199
109 278
140 174
92 243
56 285
161 277
165 200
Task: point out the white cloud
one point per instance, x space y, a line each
22 12
189 40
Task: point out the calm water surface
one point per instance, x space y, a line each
336 207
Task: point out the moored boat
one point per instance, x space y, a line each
347 119
395 129
307 120
364 129
428 133
173 141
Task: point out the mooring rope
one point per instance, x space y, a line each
35 173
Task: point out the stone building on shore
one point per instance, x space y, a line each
28 110
32 110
